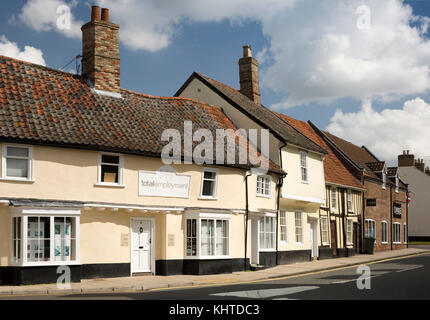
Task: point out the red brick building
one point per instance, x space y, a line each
385 207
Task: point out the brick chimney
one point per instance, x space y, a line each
100 51
406 159
420 165
248 73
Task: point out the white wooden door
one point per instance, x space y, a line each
314 238
140 246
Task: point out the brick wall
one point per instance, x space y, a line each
100 51
383 211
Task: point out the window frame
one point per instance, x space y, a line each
301 227
366 229
333 191
283 225
215 196
386 232
264 182
349 232
305 155
120 170
30 163
272 218
395 224
24 214
327 233
212 217
350 201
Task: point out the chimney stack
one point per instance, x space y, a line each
100 51
248 73
406 159
420 165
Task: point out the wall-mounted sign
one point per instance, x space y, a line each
171 240
124 239
397 210
164 184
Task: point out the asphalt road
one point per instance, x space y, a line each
407 278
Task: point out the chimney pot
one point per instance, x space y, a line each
105 15
247 52
95 13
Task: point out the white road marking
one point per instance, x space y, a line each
266 293
412 268
353 280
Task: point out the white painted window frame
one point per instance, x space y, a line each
374 223
271 216
386 232
349 232
305 155
267 180
215 195
350 201
207 216
120 183
399 233
52 213
30 168
326 231
333 200
285 225
301 227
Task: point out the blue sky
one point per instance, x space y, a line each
211 43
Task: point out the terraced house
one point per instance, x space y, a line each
83 184
385 207
303 189
341 215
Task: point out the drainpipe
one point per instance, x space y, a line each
343 221
363 222
391 214
278 205
246 219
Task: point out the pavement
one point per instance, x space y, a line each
151 283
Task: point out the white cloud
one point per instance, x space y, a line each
30 54
43 15
320 53
152 24
319 50
388 132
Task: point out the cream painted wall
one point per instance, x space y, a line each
197 90
259 203
315 188
5 236
71 174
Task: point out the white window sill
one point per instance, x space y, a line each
209 258
17 180
109 185
384 242
46 264
263 196
397 243
305 182
267 250
208 198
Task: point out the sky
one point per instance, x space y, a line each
357 68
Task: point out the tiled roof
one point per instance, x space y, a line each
334 170
377 166
359 155
39 105
260 114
